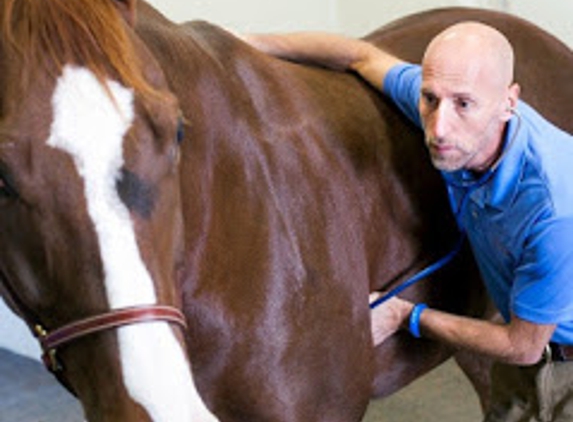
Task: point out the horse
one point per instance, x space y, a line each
192 228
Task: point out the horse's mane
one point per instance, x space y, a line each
88 33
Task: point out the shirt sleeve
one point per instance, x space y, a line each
543 289
402 85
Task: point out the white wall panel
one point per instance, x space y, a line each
14 335
555 16
359 17
255 15
353 17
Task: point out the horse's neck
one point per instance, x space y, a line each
182 50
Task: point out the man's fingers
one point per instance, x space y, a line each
374 296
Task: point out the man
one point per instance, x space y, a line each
505 167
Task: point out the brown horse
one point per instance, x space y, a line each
288 196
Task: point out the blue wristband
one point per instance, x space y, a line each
415 319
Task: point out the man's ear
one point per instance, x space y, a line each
512 100
127 8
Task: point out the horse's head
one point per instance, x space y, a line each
90 215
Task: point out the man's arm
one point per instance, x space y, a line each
328 50
519 342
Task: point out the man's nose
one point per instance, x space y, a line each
439 123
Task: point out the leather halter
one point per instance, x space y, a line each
50 341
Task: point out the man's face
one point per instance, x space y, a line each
461 105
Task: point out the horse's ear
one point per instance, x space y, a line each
127 9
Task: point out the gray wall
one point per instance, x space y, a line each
352 17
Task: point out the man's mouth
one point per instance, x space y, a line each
441 148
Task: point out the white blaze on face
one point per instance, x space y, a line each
90 127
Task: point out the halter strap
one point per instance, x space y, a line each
50 341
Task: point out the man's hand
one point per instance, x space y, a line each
388 317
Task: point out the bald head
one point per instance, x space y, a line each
476 45
467 96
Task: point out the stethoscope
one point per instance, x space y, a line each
469 186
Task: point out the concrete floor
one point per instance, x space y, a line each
29 394
443 395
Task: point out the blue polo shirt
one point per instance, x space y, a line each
520 221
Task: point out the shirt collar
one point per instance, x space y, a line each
506 180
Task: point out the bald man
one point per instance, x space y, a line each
505 167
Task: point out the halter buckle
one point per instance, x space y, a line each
51 361
40 331
49 356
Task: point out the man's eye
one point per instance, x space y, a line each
429 99
464 104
